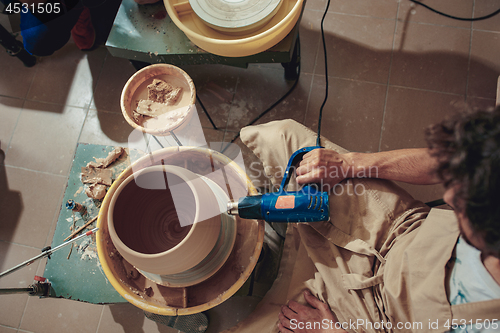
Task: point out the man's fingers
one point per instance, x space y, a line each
283 329
287 312
312 300
313 176
307 179
297 307
284 320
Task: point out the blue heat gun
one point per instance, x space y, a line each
306 205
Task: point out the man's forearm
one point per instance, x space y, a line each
414 166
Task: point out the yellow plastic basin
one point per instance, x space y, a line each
234 45
174 301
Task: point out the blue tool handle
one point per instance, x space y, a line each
292 163
250 207
306 205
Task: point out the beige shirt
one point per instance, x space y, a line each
380 262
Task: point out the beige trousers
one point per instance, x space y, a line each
372 263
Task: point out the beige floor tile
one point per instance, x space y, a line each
214 138
29 203
66 77
412 12
105 128
352 115
310 40
375 8
115 73
12 306
229 313
486 7
358 48
259 89
484 64
215 87
45 137
5 329
16 79
424 193
431 57
409 112
10 108
60 315
480 103
128 318
294 106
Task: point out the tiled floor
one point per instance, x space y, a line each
393 69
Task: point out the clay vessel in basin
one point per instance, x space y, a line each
164 219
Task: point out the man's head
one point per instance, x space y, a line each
467 147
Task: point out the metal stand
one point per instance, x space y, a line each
41 289
15 48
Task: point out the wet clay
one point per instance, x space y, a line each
161 95
97 176
104 162
163 92
148 220
207 294
96 191
157 98
147 212
136 90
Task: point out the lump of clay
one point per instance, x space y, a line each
96 191
162 92
97 176
104 162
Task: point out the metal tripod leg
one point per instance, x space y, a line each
15 48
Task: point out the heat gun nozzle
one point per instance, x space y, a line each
232 208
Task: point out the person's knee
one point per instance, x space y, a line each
269 134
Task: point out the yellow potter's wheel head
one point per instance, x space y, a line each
235 16
196 295
235 41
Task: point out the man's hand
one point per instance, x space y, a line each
327 167
295 317
323 166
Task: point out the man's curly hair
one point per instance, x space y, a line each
467 147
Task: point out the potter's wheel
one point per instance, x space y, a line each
215 259
225 282
235 16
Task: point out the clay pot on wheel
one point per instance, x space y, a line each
164 219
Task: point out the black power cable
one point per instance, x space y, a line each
320 117
455 17
318 140
263 113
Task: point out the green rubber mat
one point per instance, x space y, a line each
75 272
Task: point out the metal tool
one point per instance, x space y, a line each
306 205
40 288
46 252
